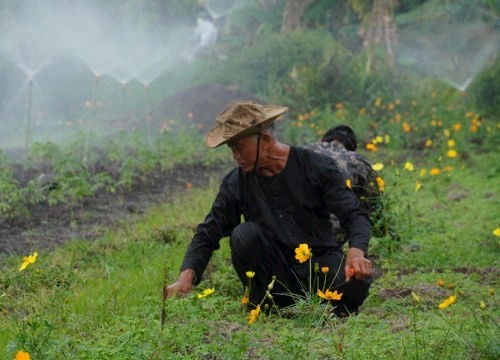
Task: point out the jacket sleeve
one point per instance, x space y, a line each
223 217
344 204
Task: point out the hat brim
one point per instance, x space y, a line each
215 138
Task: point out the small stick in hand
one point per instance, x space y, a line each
163 310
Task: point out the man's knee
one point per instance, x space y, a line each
356 292
244 237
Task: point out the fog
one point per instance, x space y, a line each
61 62
453 45
71 68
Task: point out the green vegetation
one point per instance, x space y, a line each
103 299
58 175
435 146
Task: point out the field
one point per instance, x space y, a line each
434 296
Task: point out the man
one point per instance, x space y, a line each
286 195
340 144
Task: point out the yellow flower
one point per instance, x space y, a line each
302 253
482 304
250 274
205 293
457 126
377 166
418 185
491 291
391 106
328 295
378 101
325 269
387 139
448 302
409 166
28 260
473 128
452 154
406 127
428 143
440 282
380 183
451 143
446 132
22 355
435 171
271 284
496 232
415 297
244 300
371 147
448 168
379 139
348 183
423 172
253 315
469 114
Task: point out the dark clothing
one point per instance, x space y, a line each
294 206
254 249
363 178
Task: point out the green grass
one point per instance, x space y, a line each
102 300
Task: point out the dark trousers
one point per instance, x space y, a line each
254 249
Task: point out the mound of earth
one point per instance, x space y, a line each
200 105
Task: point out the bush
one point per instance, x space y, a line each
485 91
304 69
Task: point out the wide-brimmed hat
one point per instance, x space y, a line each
240 119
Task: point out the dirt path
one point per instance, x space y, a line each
49 226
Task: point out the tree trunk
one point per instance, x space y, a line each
294 9
378 27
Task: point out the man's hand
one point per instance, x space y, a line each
182 286
357 263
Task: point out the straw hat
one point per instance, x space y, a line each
239 119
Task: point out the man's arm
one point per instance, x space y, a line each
220 221
344 204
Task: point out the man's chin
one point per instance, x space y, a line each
245 167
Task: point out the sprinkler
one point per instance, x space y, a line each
149 117
28 119
91 119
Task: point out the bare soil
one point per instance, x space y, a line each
50 226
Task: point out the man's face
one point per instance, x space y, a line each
244 152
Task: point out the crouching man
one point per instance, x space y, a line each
286 195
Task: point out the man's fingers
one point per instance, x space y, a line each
365 269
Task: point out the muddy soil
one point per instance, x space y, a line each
50 226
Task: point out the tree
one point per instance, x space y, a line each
294 9
377 26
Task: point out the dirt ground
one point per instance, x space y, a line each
200 104
49 226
